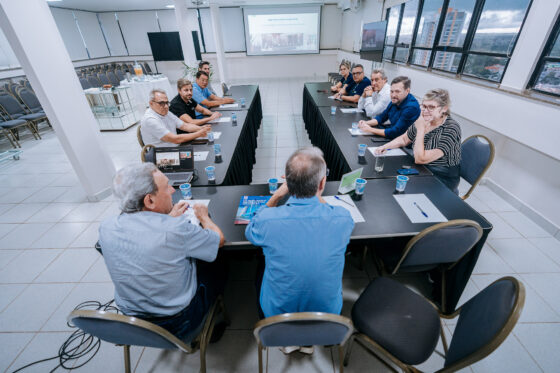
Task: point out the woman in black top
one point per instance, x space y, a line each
436 139
346 79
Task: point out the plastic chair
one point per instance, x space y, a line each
14 110
132 331
303 329
85 83
103 79
402 328
115 82
477 154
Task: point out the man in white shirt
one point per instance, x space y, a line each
377 96
159 126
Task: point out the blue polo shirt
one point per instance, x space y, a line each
200 95
401 116
349 80
304 242
358 89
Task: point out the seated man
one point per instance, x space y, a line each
185 108
157 259
205 66
377 96
402 111
159 126
204 97
353 93
303 241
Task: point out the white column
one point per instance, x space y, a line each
185 28
34 38
218 41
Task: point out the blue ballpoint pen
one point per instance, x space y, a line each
340 199
420 208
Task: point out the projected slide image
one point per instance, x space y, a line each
167 159
283 33
373 36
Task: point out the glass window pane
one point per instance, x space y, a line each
549 80
407 23
388 53
485 67
447 61
421 57
457 20
428 23
392 24
555 52
401 55
499 25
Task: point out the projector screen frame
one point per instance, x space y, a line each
274 9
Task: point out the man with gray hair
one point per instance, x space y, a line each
377 96
159 126
303 241
157 259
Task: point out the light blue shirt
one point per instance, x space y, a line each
304 243
200 95
151 260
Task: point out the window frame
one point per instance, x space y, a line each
545 57
464 50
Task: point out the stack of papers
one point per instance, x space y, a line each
388 153
221 120
360 132
419 209
346 202
189 213
216 135
200 156
226 106
351 110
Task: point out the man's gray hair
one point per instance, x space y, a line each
381 72
132 183
304 171
154 91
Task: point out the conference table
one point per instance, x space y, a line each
248 92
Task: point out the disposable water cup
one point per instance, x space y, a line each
362 150
186 191
217 149
333 110
360 186
272 185
210 173
401 183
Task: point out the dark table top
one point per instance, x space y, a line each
240 91
383 216
322 98
348 144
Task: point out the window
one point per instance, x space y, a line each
474 37
546 78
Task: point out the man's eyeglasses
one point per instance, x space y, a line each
358 72
428 107
161 103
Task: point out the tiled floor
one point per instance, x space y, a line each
48 266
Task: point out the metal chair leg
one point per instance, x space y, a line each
260 358
126 349
349 345
341 358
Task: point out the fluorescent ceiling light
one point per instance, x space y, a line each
170 6
52 1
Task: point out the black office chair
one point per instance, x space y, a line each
129 331
402 328
303 329
477 154
440 247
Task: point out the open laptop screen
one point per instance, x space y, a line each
175 160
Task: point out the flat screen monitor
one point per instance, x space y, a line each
166 46
373 36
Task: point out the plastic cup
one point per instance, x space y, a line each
242 100
210 173
360 186
272 185
355 129
186 190
217 149
233 118
210 137
333 110
401 183
379 162
362 150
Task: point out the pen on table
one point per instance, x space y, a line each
420 208
340 199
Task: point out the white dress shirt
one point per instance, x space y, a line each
155 126
377 102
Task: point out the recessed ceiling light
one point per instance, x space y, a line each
170 6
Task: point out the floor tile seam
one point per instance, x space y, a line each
522 235
86 221
87 271
21 351
57 307
538 294
11 260
527 350
489 242
67 246
15 298
32 195
47 267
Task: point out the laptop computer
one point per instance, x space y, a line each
176 163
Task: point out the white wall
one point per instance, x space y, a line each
331 24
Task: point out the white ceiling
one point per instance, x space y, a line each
120 5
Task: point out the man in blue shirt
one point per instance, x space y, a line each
402 111
354 92
157 259
204 97
303 241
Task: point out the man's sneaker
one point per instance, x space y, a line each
308 350
289 349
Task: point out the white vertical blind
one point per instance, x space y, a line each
8 59
206 22
233 29
89 25
70 35
135 27
167 20
112 34
331 24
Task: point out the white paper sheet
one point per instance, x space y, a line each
419 208
351 110
189 213
388 153
221 120
360 132
226 106
348 204
200 156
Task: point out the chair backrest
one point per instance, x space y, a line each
30 100
484 322
120 75
125 330
11 106
85 83
477 154
113 79
147 68
147 153
303 329
93 81
103 78
441 244
225 88
27 85
139 135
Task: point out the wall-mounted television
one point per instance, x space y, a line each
166 46
373 36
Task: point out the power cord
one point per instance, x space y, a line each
79 344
